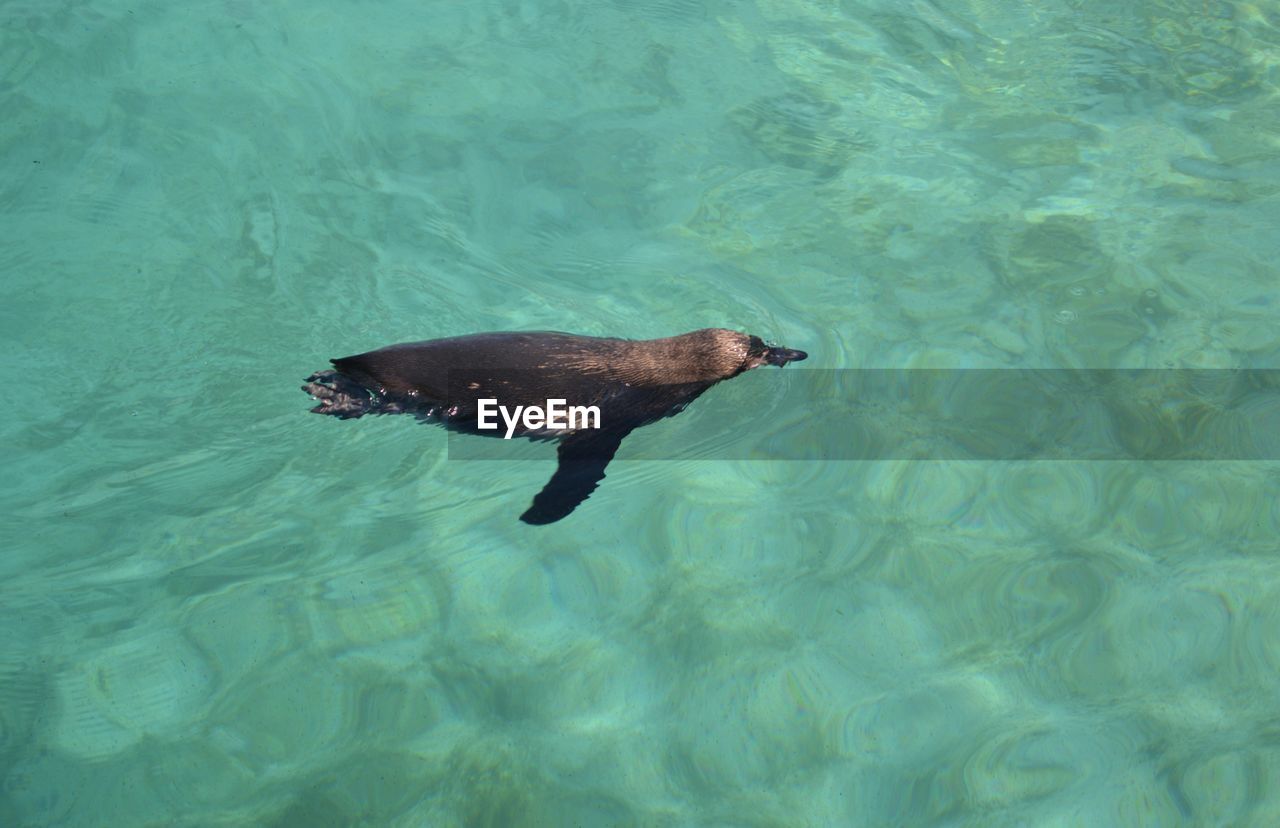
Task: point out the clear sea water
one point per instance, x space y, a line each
220 610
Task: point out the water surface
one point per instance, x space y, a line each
221 610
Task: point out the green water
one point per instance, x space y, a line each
218 609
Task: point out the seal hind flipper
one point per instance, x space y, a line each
582 460
347 399
339 396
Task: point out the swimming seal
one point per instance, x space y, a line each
631 382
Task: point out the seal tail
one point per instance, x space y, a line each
340 396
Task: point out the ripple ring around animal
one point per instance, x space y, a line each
461 382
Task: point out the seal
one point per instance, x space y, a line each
461 381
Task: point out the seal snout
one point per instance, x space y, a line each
781 356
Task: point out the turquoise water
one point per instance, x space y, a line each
219 609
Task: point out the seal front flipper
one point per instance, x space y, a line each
583 457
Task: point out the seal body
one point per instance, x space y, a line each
630 382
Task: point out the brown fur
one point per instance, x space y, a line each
707 355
